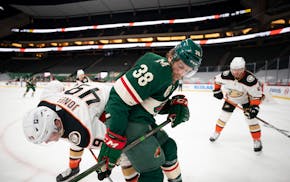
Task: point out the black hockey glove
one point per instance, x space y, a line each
218 94
103 175
251 112
178 111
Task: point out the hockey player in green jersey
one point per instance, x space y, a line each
135 99
30 84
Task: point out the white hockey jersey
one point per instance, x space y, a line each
52 88
80 108
247 89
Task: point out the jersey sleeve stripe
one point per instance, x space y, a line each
217 86
127 92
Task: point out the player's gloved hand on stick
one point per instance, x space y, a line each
103 175
70 172
218 94
178 111
110 153
251 112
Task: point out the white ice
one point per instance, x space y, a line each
230 158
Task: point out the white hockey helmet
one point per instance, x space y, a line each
38 124
238 63
80 72
237 67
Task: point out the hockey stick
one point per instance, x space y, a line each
128 147
263 121
287 131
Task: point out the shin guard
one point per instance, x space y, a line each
172 171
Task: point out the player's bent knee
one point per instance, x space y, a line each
147 156
170 150
253 121
228 107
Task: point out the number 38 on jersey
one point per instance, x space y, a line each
143 75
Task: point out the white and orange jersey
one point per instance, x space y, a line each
80 108
52 88
247 89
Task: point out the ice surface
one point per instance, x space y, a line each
230 158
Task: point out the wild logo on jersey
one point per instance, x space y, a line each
162 62
158 108
157 152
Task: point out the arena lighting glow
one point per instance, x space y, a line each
133 24
149 44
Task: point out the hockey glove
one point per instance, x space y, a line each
218 94
110 153
251 112
103 175
178 111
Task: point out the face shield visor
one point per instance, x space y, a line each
191 73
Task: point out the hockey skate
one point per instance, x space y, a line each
67 174
214 137
258 145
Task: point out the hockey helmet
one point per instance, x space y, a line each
189 52
80 72
237 67
238 63
38 124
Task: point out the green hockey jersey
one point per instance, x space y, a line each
140 93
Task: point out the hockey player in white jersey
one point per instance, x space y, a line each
241 87
77 114
81 77
52 88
